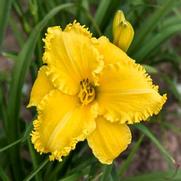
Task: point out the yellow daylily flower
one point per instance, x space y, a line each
88 89
123 31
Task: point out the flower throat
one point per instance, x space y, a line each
87 92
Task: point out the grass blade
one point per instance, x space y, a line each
17 32
155 42
114 173
21 140
10 145
95 28
105 10
172 87
34 159
150 135
73 177
3 112
128 161
33 174
80 15
150 69
171 175
101 11
170 22
4 16
106 172
10 55
3 175
150 24
93 171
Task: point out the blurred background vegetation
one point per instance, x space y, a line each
155 153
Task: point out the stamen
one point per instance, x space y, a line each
87 92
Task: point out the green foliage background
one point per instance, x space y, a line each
155 23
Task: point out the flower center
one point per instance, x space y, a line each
87 92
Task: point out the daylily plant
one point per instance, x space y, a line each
90 89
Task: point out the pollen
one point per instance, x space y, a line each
87 92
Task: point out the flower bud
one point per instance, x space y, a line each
122 31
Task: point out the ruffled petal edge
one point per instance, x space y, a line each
57 155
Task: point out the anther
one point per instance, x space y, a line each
87 92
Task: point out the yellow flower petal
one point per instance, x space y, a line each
71 56
41 87
108 140
61 123
126 93
76 27
112 54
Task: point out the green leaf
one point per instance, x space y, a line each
170 175
17 6
80 15
21 140
156 41
150 23
106 9
114 173
174 128
10 55
106 172
36 170
101 11
172 87
10 145
82 165
150 69
3 111
4 16
150 135
174 20
34 159
17 32
27 132
93 171
59 169
73 177
125 165
95 28
3 175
